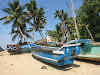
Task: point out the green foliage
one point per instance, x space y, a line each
16 16
88 14
21 15
67 25
15 32
56 34
52 34
63 18
61 15
35 14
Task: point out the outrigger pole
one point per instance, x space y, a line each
74 18
89 33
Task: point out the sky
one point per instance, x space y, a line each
50 7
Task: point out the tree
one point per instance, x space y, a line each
75 23
56 34
37 15
89 14
15 32
63 21
15 15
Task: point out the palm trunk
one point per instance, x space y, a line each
24 37
32 32
74 18
41 34
33 36
68 32
69 36
34 22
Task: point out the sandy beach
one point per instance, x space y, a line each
25 64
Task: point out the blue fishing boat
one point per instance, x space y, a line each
89 50
29 47
60 57
25 48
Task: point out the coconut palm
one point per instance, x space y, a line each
16 34
64 21
56 34
36 16
16 17
74 18
59 33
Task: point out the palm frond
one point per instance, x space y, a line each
29 30
14 37
3 18
27 35
8 10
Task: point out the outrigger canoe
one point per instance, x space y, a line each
89 50
14 49
60 57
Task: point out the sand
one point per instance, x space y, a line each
25 64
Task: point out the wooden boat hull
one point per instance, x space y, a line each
62 57
93 55
92 58
57 60
89 51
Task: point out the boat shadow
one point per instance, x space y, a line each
63 68
88 61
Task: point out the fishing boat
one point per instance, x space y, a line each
16 48
26 48
60 57
1 49
89 50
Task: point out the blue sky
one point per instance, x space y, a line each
49 5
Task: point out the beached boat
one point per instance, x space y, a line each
16 48
1 49
25 48
64 56
89 50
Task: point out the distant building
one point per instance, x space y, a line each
49 39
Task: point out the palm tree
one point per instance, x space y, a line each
15 32
37 15
56 34
74 18
59 33
64 21
16 16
